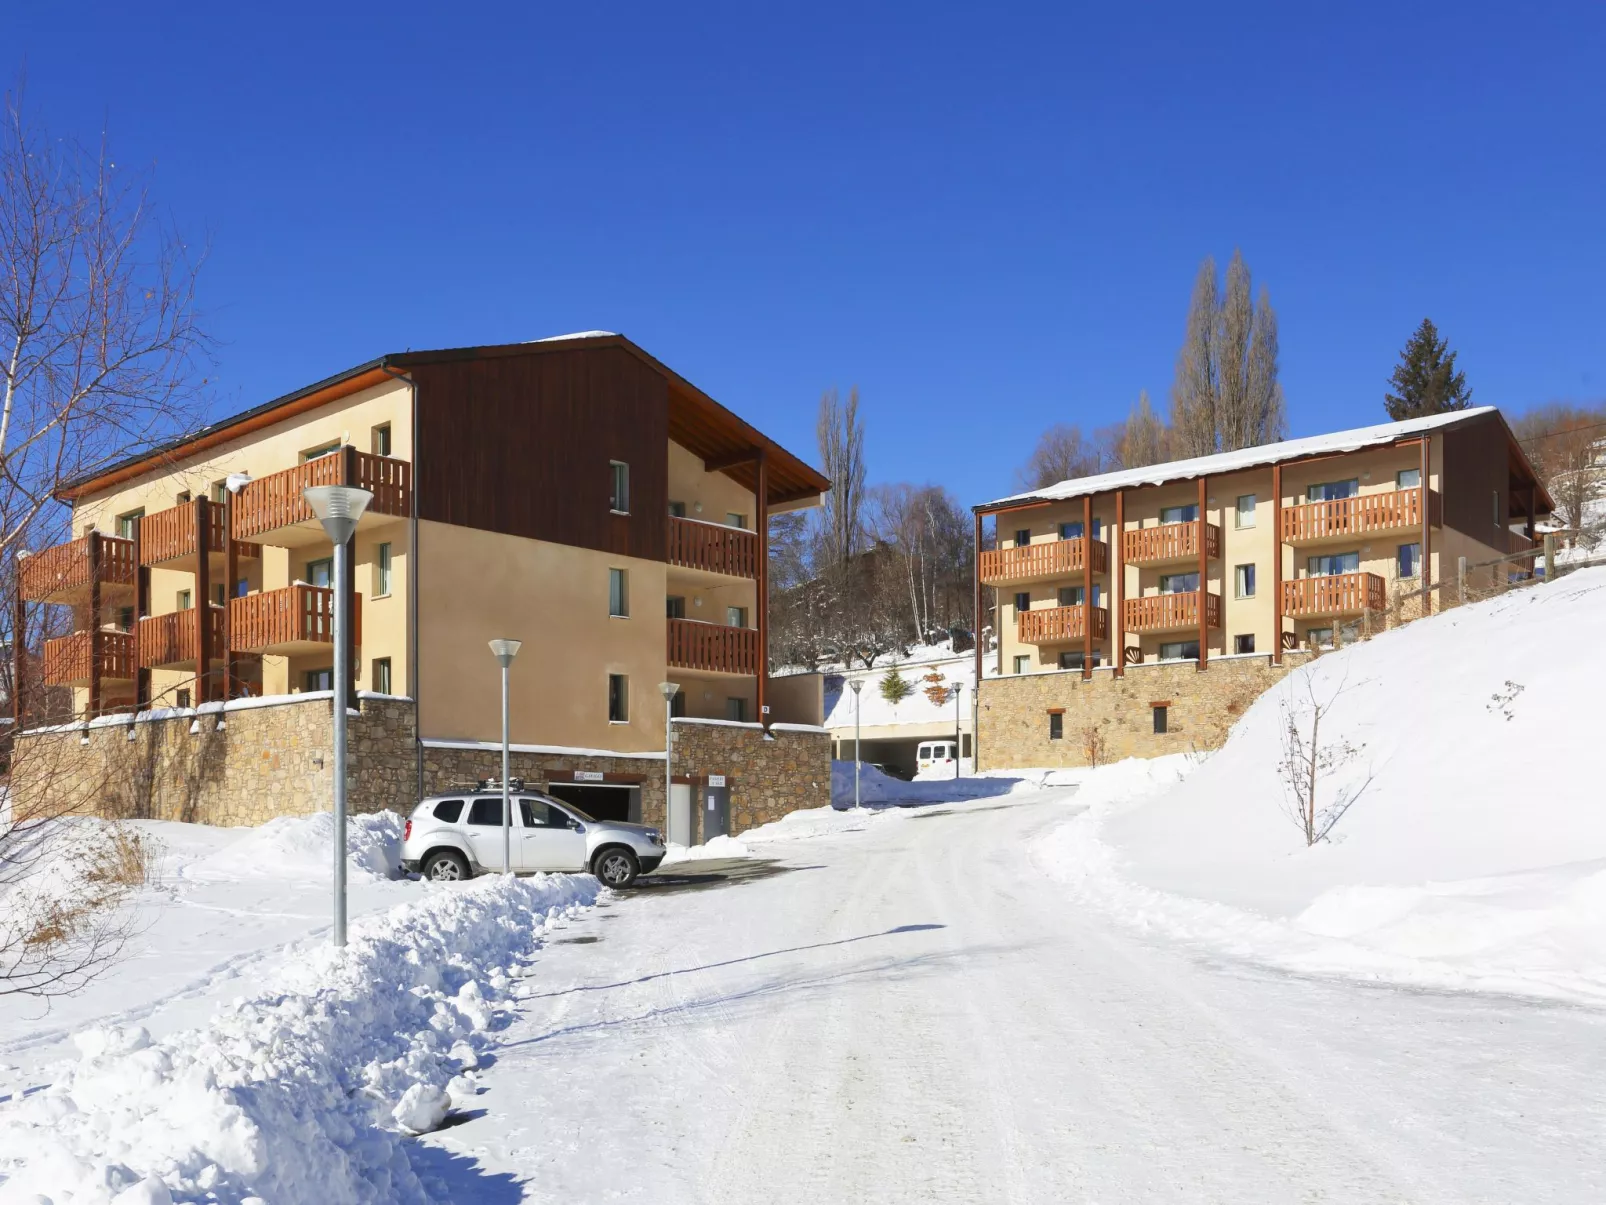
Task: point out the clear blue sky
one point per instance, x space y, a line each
988 218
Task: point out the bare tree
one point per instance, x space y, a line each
1144 438
1063 453
1567 445
925 532
841 437
1225 394
1311 757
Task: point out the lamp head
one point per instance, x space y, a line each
505 650
337 507
669 690
856 685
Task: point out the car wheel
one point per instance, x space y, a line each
616 867
446 866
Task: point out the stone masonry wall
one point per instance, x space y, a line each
1107 718
767 776
445 768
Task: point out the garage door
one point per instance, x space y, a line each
603 802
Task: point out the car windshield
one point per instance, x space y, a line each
577 813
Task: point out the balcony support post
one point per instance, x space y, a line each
142 606
761 517
1427 534
1276 564
231 574
19 658
1087 586
1528 529
1204 580
1118 585
203 600
95 637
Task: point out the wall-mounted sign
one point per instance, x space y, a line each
716 780
588 776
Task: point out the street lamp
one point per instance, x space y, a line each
504 651
958 738
669 690
857 685
338 507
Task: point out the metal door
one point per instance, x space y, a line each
716 811
680 816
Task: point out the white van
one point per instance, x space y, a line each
935 754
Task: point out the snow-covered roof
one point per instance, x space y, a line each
575 335
1243 458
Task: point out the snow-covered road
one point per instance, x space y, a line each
913 1013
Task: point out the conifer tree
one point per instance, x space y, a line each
895 688
1426 381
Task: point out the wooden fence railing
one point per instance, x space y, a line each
274 502
713 546
1033 562
1169 612
1334 594
1056 625
64 569
169 535
67 659
293 615
1358 516
170 639
1169 542
719 648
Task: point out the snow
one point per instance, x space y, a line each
721 847
1473 856
930 787
1246 458
875 711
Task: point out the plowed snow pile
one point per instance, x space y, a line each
1473 855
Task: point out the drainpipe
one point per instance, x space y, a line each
412 593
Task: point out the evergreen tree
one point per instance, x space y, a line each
1425 380
895 688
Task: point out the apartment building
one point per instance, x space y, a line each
573 493
1248 554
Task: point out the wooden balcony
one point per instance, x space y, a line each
68 659
169 537
1346 519
65 573
1335 594
714 647
1169 543
271 509
1170 612
1041 562
168 641
289 622
713 547
1061 625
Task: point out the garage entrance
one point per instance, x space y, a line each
605 801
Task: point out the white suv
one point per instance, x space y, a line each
457 835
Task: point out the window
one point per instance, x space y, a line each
619 487
449 810
1244 581
736 617
1243 511
1321 638
1499 520
1333 563
1072 659
1243 644
677 705
220 492
677 510
220 594
732 519
381 440
182 698
128 525
319 453
321 573
1056 725
538 813
1070 596
618 699
1023 664
185 600
1179 514
736 709
381 675
1407 479
1071 531
1409 561
182 498
318 679
1180 650
125 619
1023 537
675 606
242 588
1160 710
381 571
1023 602
1332 491
1179 583
487 811
618 594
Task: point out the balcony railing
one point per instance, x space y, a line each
68 659
1041 562
1334 594
169 535
712 546
718 648
294 619
274 503
1396 510
1170 612
1060 625
166 640
1169 542
62 574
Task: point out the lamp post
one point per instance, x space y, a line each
857 684
504 651
669 690
337 508
958 739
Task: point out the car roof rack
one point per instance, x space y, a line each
495 784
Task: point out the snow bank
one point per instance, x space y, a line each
878 788
292 846
302 1094
1474 854
717 847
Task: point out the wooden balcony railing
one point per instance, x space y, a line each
1358 516
68 659
716 647
1511 542
274 502
1169 542
279 620
170 639
1334 594
1060 625
169 535
713 546
62 573
1040 562
1170 612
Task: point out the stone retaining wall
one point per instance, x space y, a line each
767 776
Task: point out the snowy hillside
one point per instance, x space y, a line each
1474 852
917 708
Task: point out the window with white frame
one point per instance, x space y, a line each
1407 479
1023 664
1243 511
618 699
619 487
1179 514
381 570
1179 650
1408 561
1179 583
618 593
1244 581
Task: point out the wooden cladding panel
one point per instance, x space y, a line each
1060 625
1035 562
1477 465
1334 594
521 444
715 647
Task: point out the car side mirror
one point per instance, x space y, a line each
577 826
